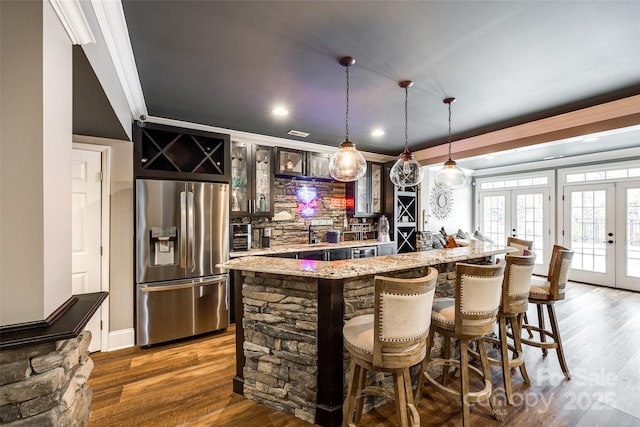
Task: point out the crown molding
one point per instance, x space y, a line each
73 20
270 141
112 23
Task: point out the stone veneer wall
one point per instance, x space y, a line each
359 299
46 384
296 230
282 315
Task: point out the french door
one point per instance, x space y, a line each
602 227
521 213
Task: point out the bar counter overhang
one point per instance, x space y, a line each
339 288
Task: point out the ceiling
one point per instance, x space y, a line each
228 63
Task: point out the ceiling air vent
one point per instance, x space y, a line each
298 133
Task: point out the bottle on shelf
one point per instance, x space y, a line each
262 203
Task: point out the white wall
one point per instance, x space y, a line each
35 212
56 144
21 156
461 216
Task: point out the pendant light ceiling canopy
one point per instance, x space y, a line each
450 176
407 171
347 164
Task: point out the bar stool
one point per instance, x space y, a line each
514 302
520 244
546 293
467 317
391 340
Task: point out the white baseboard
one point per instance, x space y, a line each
121 339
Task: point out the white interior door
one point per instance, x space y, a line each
86 231
589 230
627 239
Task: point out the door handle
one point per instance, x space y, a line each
192 248
183 228
609 242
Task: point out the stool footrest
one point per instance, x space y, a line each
514 362
540 344
472 397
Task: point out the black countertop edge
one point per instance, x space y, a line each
66 322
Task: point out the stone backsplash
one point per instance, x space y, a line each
46 384
295 230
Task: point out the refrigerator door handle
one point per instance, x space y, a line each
183 228
192 242
164 288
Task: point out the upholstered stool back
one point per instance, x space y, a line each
517 283
401 323
478 292
520 244
559 266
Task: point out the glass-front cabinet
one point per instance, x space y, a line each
290 162
318 165
251 179
366 193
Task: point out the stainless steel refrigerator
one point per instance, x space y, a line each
182 232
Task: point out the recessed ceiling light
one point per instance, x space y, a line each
280 111
298 133
377 132
590 139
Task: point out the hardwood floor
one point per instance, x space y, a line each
188 383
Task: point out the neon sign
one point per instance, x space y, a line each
307 201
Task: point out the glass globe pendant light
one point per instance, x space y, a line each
347 164
407 171
450 176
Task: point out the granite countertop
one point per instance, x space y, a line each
364 266
303 247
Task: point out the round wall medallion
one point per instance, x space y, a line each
441 202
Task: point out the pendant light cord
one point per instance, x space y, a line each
449 131
346 119
406 119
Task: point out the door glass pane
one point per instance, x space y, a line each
530 214
633 232
588 234
239 182
493 225
263 179
376 188
362 194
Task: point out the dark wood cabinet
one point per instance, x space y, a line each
338 254
313 255
178 153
